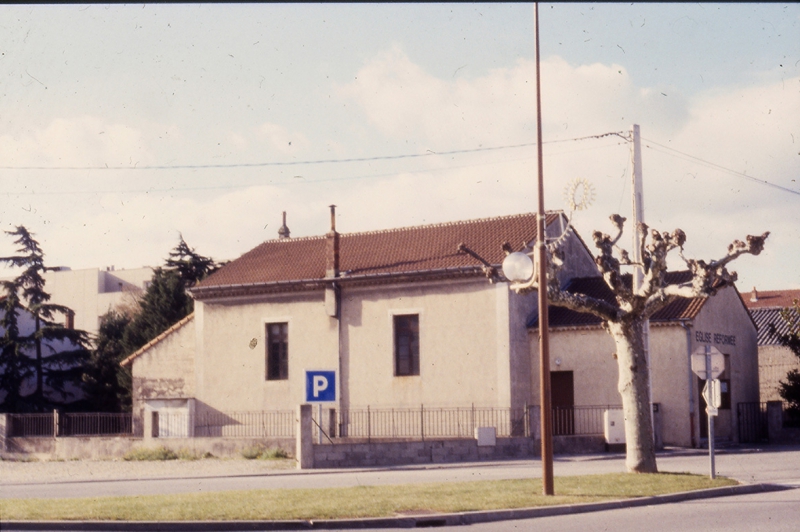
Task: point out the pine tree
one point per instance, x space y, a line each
191 266
107 384
164 303
60 367
15 366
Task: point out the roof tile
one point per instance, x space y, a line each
596 287
404 250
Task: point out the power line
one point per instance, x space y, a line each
692 158
429 153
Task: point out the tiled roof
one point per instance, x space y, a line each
771 298
156 340
596 287
764 317
392 251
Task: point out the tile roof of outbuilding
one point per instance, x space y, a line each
770 298
391 251
678 309
764 317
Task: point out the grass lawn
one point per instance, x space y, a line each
363 501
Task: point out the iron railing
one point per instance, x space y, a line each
579 420
368 423
427 423
70 424
31 425
95 424
791 416
270 424
752 422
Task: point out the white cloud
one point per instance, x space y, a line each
282 140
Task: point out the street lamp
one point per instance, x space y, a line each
518 267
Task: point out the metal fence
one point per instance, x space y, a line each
271 424
31 425
428 423
752 422
579 420
359 423
791 416
95 424
70 424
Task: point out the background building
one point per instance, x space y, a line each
774 360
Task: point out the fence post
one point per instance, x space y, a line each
526 427
422 421
304 448
55 423
473 419
4 430
369 426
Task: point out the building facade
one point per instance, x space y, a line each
416 316
774 360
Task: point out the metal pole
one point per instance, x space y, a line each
319 423
544 325
710 393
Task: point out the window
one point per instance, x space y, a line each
277 351
406 345
725 385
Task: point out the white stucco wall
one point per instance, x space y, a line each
588 354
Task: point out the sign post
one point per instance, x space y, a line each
708 363
320 388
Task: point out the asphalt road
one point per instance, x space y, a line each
777 511
780 465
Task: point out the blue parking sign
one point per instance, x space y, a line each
320 386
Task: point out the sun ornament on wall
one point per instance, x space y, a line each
578 195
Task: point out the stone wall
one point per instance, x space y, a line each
420 452
109 448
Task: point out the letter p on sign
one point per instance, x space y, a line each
320 386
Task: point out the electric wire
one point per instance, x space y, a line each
429 153
695 159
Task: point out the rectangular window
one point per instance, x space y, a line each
277 351
406 345
725 385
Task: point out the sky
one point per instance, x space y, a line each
125 126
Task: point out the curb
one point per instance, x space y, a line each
434 520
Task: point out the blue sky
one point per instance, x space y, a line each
216 87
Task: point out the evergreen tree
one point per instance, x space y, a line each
164 303
790 389
107 384
15 366
60 367
191 266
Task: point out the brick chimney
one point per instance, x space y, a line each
332 248
754 295
283 232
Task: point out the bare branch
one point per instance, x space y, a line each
582 303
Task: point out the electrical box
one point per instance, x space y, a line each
486 436
614 426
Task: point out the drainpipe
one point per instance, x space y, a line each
687 327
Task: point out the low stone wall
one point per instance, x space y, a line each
579 444
109 448
419 452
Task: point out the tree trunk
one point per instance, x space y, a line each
634 379
39 393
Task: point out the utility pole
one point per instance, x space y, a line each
637 194
544 326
